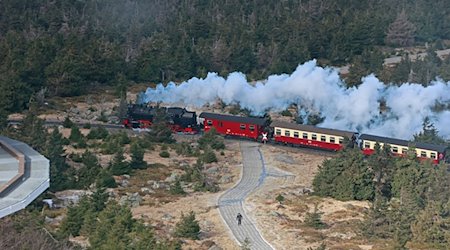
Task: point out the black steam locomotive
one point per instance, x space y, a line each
178 119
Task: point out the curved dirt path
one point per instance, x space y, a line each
231 202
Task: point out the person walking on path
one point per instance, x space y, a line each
239 218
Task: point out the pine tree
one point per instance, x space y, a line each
429 133
431 226
137 156
90 170
105 179
113 229
188 227
176 188
59 178
401 32
119 166
314 219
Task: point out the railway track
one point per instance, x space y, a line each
116 127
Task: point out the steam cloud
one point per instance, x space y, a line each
316 89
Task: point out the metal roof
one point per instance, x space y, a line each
419 145
24 175
310 128
240 119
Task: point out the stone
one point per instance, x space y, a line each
69 197
146 190
212 170
172 178
207 226
124 183
226 179
133 200
215 247
167 217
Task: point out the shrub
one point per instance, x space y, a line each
87 126
211 139
67 123
183 148
177 189
98 133
75 157
314 219
209 157
137 156
188 227
102 117
164 154
119 166
280 198
105 179
286 113
75 135
113 142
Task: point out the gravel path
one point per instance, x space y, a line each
231 202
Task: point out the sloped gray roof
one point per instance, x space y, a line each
233 118
310 128
421 145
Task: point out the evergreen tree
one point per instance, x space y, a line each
429 133
119 166
90 170
176 188
137 156
160 132
314 219
188 227
346 177
105 179
112 231
401 32
59 178
431 226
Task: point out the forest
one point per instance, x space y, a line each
409 199
59 48
65 48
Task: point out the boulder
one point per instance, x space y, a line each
69 197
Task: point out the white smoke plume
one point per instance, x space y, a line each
318 89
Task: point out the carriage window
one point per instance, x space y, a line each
433 155
209 122
278 131
395 149
423 154
405 150
314 137
341 140
287 133
366 145
252 127
242 126
296 134
332 140
305 136
323 138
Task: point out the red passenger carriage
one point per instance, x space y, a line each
248 127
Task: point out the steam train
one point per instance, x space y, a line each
260 129
178 119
